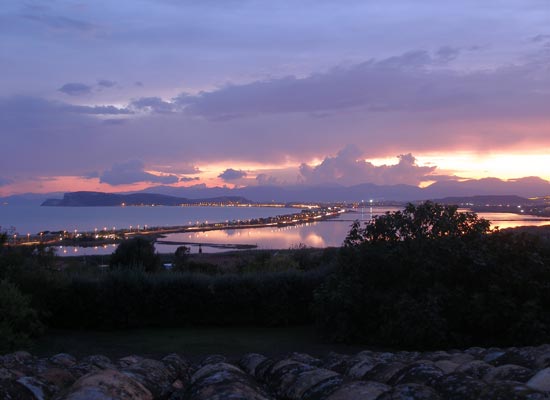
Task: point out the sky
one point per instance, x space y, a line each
122 95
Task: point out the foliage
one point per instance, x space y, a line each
442 284
133 298
136 253
181 255
417 222
18 321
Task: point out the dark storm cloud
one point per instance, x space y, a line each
20 105
133 172
75 89
540 38
152 104
413 81
5 181
267 180
189 179
231 174
349 168
58 22
106 83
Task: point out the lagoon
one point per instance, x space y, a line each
331 233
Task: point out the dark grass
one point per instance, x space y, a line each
193 343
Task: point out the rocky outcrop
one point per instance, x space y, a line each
475 373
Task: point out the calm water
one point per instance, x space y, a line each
34 219
317 234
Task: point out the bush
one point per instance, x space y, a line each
136 253
434 291
18 321
133 298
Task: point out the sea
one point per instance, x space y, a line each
331 233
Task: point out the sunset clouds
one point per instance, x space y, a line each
254 93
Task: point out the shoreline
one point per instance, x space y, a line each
107 237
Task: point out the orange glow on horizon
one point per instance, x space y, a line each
466 165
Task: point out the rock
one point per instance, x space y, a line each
476 352
507 390
509 373
63 360
284 373
314 381
129 360
359 390
541 381
446 366
249 362
57 377
461 358
262 369
421 372
476 369
336 362
436 356
492 356
6 374
410 391
359 370
543 360
12 390
221 381
305 359
210 369
107 384
383 372
39 389
212 359
99 361
178 366
459 386
153 375
524 357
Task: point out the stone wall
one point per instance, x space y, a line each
475 373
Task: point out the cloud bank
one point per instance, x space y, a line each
133 172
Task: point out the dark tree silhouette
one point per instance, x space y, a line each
136 253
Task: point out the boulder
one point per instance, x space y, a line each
154 375
509 372
363 390
541 381
507 390
63 360
410 391
459 386
249 362
383 372
107 384
312 383
421 372
476 369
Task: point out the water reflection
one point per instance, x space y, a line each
316 234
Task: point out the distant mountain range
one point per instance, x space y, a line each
523 187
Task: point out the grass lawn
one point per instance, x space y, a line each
194 343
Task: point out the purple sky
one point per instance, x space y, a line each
120 95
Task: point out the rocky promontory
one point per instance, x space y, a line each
474 373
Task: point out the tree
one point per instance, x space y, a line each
416 222
18 321
180 257
136 253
